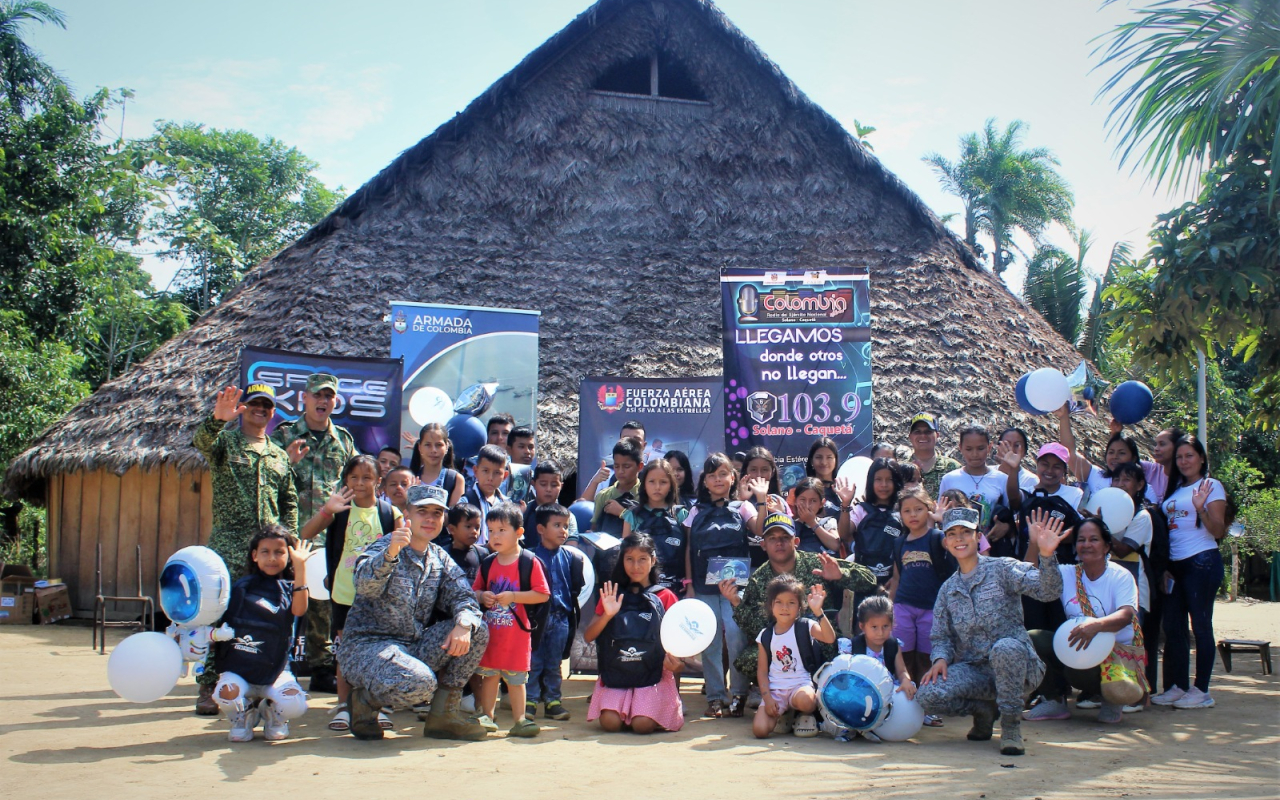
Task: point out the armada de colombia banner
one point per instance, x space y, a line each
368 401
797 362
685 414
447 349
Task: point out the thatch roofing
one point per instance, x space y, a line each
612 215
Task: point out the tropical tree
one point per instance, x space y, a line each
1097 326
23 74
862 132
1056 285
1004 188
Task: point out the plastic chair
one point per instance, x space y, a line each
146 620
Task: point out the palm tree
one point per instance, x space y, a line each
23 74
1096 327
1192 83
1056 285
1005 188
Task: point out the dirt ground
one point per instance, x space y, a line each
65 732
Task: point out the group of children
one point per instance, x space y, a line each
513 541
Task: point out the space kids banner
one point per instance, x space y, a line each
368 402
448 349
797 362
685 414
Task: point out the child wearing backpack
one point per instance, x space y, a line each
870 528
788 659
352 518
566 575
875 621
254 681
511 580
920 565
661 517
637 683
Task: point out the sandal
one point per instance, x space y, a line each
384 721
715 709
737 705
341 721
931 721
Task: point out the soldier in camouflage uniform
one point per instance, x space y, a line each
390 650
318 449
252 486
809 568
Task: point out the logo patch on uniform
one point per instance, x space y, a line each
674 541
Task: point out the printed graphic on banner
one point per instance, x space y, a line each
685 414
459 354
368 402
797 362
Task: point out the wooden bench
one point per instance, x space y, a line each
1228 646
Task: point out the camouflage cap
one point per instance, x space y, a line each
321 380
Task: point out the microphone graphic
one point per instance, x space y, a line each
748 303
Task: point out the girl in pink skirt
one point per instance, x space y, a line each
637 684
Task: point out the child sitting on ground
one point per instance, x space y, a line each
788 658
875 620
635 692
566 576
254 681
510 580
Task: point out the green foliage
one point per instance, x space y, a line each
1004 188
1097 329
1261 519
1056 284
1193 83
861 132
30 542
232 201
37 385
24 77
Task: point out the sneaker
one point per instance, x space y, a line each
932 721
274 726
786 723
487 723
555 710
737 705
525 729
806 726
1088 701
1136 708
835 730
467 705
1194 699
1169 696
753 699
1046 710
530 710
242 720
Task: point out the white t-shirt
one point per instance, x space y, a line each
1187 533
1096 483
1138 536
1072 494
1027 480
1112 591
786 671
984 491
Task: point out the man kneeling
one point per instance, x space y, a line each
390 651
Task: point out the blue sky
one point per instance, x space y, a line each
352 85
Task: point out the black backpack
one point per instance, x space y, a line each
629 652
804 643
1057 508
260 649
669 539
538 612
875 539
335 537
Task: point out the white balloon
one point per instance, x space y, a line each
857 469
194 587
430 404
1047 389
905 719
144 667
688 628
1115 507
317 571
588 582
1091 656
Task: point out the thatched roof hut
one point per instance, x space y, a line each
605 181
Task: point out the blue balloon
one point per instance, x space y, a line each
468 435
1131 402
583 511
1020 392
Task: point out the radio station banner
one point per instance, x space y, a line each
448 349
368 402
797 362
685 414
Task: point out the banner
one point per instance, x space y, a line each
447 349
797 362
368 402
684 414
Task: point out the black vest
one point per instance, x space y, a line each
859 648
261 613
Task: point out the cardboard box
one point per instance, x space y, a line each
17 595
53 603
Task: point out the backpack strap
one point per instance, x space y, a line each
386 517
804 643
767 640
891 654
334 543
452 483
484 568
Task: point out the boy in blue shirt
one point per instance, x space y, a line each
564 569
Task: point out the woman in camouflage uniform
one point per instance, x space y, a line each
983 661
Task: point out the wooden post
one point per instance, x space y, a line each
1235 570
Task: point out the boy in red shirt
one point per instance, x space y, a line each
510 642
